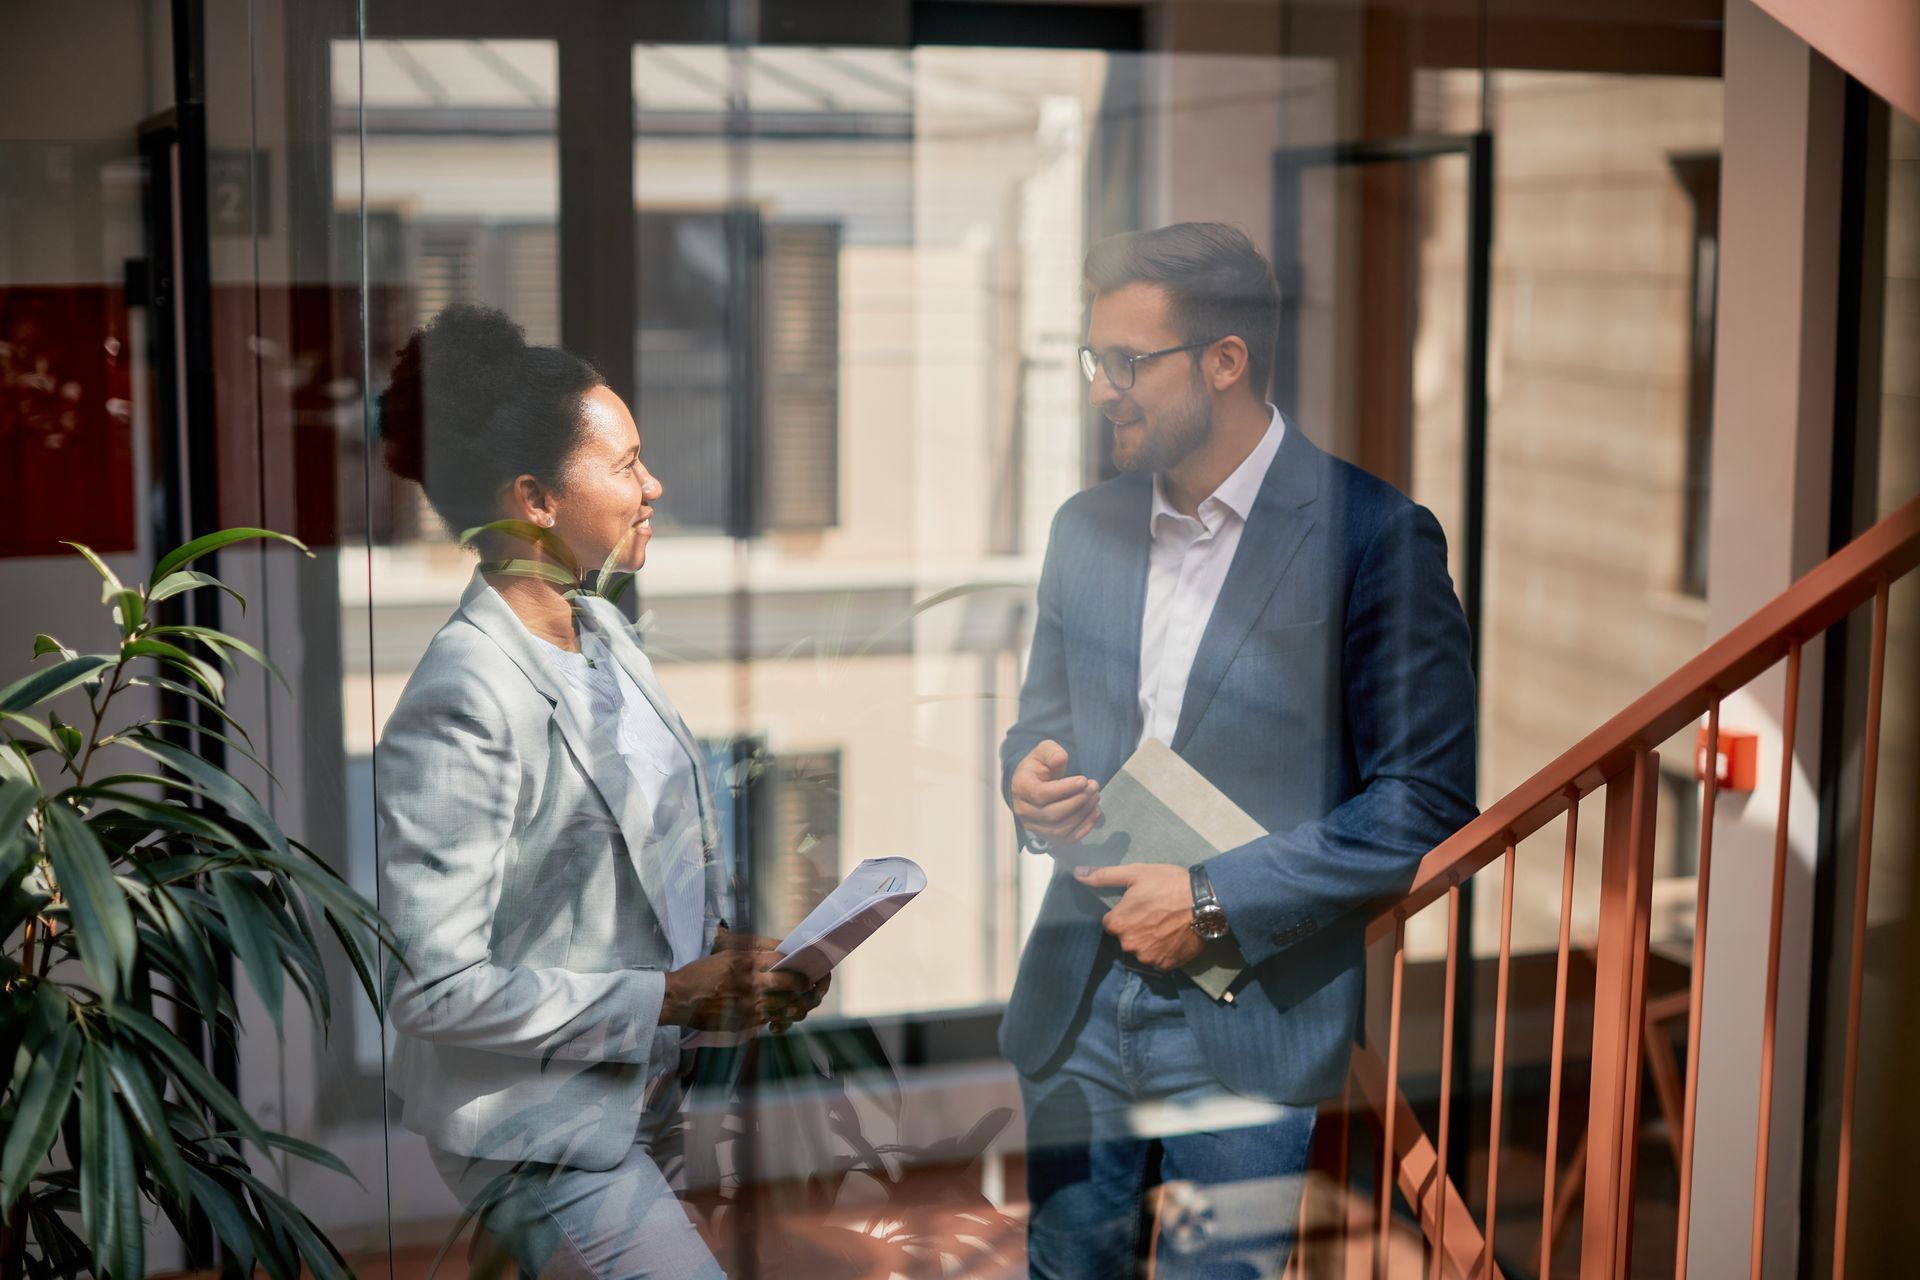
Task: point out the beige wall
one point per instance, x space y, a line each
1587 423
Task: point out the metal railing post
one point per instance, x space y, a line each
1619 1008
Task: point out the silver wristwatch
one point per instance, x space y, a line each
1209 917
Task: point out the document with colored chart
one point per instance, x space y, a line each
871 895
1159 809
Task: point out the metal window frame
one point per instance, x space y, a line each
1289 166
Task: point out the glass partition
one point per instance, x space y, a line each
831 274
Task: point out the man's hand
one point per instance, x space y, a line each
1048 803
1154 916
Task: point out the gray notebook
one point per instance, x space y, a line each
1159 809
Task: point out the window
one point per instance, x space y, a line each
738 367
1699 177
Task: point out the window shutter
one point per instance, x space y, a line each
448 269
800 404
529 265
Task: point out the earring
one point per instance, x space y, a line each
546 521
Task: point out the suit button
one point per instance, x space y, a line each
579 1048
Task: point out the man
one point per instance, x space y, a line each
1286 624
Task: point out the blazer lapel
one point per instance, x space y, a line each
604 769
626 651
1281 517
1122 594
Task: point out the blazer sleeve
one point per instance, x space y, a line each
1046 708
1408 696
449 789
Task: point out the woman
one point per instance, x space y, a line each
547 839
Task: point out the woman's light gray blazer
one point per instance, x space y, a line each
526 885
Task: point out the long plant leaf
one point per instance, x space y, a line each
314 1249
238 747
53 1049
299 947
101 919
196 957
63 1252
534 535
31 725
110 579
612 592
220 641
194 1080
187 691
312 1152
143 1101
253 939
114 781
219 786
97 1183
131 610
174 656
17 802
319 881
614 555
126 1255
229 1219
187 580
532 569
179 957
361 969
32 690
213 542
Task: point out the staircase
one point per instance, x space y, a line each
1401 1215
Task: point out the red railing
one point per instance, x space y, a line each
1619 759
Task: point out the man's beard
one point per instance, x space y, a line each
1183 429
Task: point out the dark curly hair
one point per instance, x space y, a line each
471 406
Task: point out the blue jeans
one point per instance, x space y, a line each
1133 1105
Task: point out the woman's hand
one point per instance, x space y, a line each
792 1008
731 989
809 1001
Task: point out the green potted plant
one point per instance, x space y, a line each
127 864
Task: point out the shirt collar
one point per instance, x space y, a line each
1238 491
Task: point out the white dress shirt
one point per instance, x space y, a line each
1185 570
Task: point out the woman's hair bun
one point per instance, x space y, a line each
471 405
445 380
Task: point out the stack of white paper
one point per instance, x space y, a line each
869 897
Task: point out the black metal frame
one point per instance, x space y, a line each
1477 148
176 286
593 40
1854 487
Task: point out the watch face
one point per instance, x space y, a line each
1210 923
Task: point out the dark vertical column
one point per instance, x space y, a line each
186 452
193 279
1389 261
598 286
1859 349
1473 559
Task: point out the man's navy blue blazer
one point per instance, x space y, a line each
1331 697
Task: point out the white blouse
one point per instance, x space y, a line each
623 717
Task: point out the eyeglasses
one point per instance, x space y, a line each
1119 366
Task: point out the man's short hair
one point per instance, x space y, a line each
1219 284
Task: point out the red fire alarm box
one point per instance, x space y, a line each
1738 760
